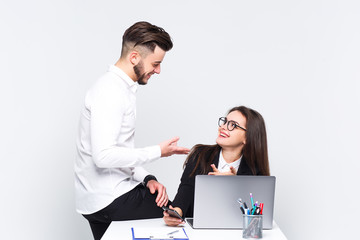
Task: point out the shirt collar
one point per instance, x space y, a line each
119 72
224 166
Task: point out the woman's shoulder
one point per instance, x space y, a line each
202 149
205 147
244 168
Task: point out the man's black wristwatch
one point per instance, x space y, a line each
148 178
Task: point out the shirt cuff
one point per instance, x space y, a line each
154 152
148 178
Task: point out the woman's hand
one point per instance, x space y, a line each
173 221
217 172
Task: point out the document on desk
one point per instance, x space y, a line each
142 233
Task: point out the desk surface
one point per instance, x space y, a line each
122 230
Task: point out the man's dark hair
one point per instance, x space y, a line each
146 35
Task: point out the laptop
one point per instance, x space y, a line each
216 205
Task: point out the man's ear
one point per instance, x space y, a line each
134 57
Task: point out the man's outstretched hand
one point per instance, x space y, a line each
170 147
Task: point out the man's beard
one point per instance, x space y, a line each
138 69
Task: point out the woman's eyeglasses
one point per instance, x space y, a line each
231 125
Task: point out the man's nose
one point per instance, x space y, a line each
157 70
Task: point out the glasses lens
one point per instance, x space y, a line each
222 121
231 125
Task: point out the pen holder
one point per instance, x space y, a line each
252 226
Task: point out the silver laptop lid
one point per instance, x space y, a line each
216 206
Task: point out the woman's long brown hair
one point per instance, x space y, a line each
255 150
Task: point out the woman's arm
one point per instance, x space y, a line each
184 199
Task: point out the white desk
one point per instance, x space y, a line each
122 230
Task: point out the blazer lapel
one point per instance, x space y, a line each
244 168
216 160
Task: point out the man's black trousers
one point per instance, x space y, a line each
139 203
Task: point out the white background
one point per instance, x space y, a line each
296 62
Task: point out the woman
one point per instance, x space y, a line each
240 149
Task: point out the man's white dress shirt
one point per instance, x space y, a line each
107 164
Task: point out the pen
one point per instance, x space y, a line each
247 211
241 207
242 210
252 200
254 208
170 233
261 207
257 211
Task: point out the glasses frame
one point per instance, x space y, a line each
224 119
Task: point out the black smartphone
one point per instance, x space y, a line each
173 213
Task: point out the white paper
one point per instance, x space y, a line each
159 233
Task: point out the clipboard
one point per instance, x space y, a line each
159 233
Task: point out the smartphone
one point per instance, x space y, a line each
173 213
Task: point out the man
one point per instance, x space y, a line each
109 180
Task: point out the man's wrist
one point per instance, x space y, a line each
148 178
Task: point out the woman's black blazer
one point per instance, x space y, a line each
184 198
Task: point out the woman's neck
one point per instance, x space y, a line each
230 155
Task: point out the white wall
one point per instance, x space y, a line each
296 62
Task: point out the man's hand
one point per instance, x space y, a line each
217 172
170 147
162 197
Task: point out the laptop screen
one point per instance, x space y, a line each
216 206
